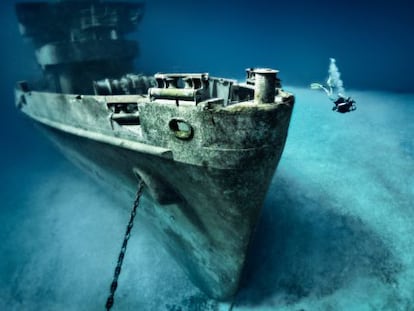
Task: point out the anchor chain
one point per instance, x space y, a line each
114 284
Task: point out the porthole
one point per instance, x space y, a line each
181 129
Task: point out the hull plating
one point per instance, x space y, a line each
209 227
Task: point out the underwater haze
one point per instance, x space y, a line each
337 229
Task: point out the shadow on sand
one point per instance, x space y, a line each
302 248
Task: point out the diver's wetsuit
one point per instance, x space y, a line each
344 105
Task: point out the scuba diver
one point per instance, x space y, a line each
335 90
343 104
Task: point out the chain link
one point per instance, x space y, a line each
114 284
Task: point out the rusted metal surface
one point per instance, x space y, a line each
206 192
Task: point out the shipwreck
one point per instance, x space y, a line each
204 147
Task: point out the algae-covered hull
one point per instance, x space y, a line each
204 199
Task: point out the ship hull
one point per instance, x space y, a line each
207 233
204 194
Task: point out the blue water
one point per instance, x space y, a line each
337 231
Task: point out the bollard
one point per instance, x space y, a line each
264 85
